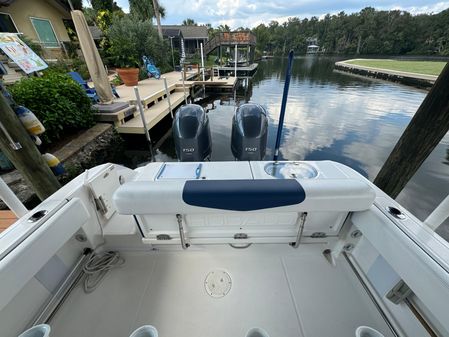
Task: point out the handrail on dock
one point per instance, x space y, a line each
230 38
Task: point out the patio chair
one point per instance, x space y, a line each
91 92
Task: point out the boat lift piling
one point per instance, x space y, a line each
426 129
167 93
288 76
144 122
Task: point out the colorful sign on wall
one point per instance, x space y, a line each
20 53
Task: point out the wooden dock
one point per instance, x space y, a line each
245 71
153 115
154 99
7 218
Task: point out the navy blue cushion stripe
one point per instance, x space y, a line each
243 195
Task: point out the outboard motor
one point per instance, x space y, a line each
191 133
249 132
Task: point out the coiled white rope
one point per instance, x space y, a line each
97 267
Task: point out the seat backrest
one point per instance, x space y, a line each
77 77
262 210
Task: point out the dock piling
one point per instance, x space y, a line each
26 158
426 129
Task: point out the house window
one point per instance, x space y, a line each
45 32
6 24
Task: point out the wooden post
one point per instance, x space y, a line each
27 159
422 135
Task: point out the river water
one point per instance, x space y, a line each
333 116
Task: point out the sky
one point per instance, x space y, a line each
250 13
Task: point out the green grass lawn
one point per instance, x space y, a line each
417 67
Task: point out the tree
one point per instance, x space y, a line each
102 5
370 31
131 39
77 4
144 9
189 22
158 18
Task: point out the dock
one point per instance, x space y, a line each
406 78
242 71
154 99
7 218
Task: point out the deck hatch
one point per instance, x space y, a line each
218 283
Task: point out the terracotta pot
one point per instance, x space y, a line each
129 76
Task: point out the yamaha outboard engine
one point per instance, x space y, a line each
249 132
191 133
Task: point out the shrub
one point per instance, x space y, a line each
58 101
64 66
130 39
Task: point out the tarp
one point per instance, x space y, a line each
92 57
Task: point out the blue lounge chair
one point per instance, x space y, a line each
91 92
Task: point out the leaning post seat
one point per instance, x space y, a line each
251 209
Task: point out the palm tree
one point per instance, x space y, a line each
147 10
224 28
189 22
158 17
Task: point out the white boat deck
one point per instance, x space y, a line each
288 292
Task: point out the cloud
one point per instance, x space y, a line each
250 13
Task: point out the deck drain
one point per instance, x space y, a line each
218 283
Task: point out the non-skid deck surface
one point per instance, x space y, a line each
289 294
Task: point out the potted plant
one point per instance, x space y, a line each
124 53
130 39
127 69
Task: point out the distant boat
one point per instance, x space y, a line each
241 62
313 49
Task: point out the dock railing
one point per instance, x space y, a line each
242 38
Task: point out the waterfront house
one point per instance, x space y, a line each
43 21
188 38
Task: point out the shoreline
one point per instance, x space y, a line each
411 79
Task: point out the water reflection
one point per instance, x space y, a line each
333 116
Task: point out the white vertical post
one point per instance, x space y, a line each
202 61
142 116
439 214
184 87
235 62
11 200
167 92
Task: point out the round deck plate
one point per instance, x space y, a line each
291 170
218 283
